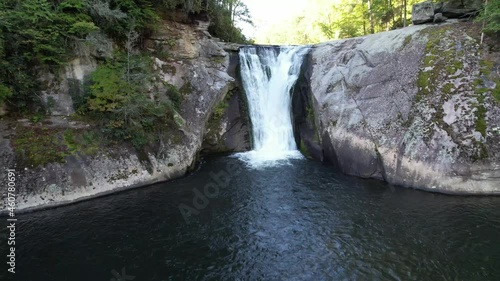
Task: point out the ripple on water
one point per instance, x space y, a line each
299 221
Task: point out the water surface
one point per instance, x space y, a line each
300 221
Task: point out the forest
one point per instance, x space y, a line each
324 20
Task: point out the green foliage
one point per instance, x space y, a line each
5 93
119 99
223 15
174 95
38 146
82 28
126 13
323 20
108 90
490 15
346 22
81 141
40 36
37 35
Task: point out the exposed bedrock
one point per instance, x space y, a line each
196 64
416 107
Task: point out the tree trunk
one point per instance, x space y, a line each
404 13
231 10
392 12
370 13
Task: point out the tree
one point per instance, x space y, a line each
238 11
224 14
346 20
490 16
40 36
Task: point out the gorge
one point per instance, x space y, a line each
273 162
384 106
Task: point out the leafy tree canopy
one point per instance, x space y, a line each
324 20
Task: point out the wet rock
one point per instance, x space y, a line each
228 130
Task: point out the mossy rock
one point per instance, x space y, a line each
39 146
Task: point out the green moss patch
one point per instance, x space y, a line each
186 89
481 116
439 62
407 41
304 150
486 67
39 146
79 141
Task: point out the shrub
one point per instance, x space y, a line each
108 90
119 99
5 93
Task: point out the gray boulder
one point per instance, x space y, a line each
428 12
413 107
438 18
422 12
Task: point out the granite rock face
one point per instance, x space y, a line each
62 91
414 107
197 65
422 12
440 11
228 129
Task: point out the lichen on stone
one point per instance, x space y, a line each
450 68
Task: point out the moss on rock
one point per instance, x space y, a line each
42 145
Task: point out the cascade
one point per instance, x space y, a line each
268 75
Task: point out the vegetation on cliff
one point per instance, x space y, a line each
38 38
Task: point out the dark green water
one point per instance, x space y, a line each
291 222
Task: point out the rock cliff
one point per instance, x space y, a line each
416 107
185 56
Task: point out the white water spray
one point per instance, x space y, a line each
268 75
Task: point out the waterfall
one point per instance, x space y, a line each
268 75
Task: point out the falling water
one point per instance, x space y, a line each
268 75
